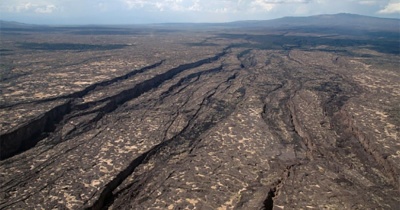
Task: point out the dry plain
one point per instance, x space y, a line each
205 117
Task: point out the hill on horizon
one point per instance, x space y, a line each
345 20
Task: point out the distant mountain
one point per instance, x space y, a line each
331 21
13 24
342 20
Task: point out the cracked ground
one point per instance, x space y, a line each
195 120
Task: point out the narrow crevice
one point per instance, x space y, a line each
147 85
243 53
189 132
189 77
287 113
312 150
106 195
113 102
337 94
273 192
29 134
269 201
344 125
91 87
26 137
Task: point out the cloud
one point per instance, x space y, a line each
223 6
46 9
161 5
263 5
368 2
196 6
22 6
391 8
285 1
150 11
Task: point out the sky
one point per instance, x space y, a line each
167 11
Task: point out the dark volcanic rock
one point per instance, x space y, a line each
160 124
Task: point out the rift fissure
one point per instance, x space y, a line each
233 116
11 143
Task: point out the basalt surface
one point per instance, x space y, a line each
197 120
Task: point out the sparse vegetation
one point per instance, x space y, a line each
234 116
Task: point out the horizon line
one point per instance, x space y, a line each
193 23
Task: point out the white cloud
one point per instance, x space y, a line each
263 5
143 11
368 2
268 5
46 9
161 5
196 6
22 6
391 8
210 6
134 3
